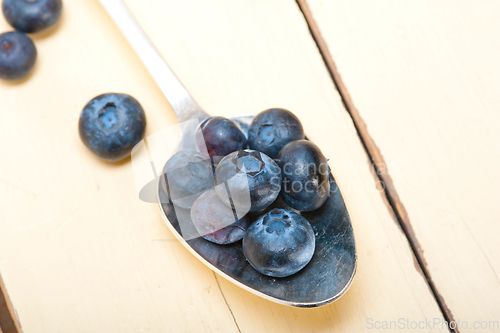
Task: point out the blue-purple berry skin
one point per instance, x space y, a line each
32 16
216 222
280 243
252 178
221 136
17 55
188 175
305 171
272 129
111 125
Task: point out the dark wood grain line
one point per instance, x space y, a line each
6 319
225 300
380 167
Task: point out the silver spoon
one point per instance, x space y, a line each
331 270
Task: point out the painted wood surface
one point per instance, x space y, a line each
79 252
425 79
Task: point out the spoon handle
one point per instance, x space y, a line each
183 104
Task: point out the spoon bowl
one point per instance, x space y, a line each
326 278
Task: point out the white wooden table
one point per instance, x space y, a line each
419 96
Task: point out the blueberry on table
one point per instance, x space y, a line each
252 179
220 136
17 55
188 175
217 222
305 172
111 125
32 16
280 243
272 129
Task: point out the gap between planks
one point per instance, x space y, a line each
377 160
225 300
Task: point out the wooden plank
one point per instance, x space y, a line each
79 251
424 76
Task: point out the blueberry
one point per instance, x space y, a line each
252 178
32 15
305 172
280 243
272 129
17 55
221 136
217 222
188 174
111 125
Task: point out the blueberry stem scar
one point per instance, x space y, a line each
277 224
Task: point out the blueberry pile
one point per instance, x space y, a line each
232 183
17 51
